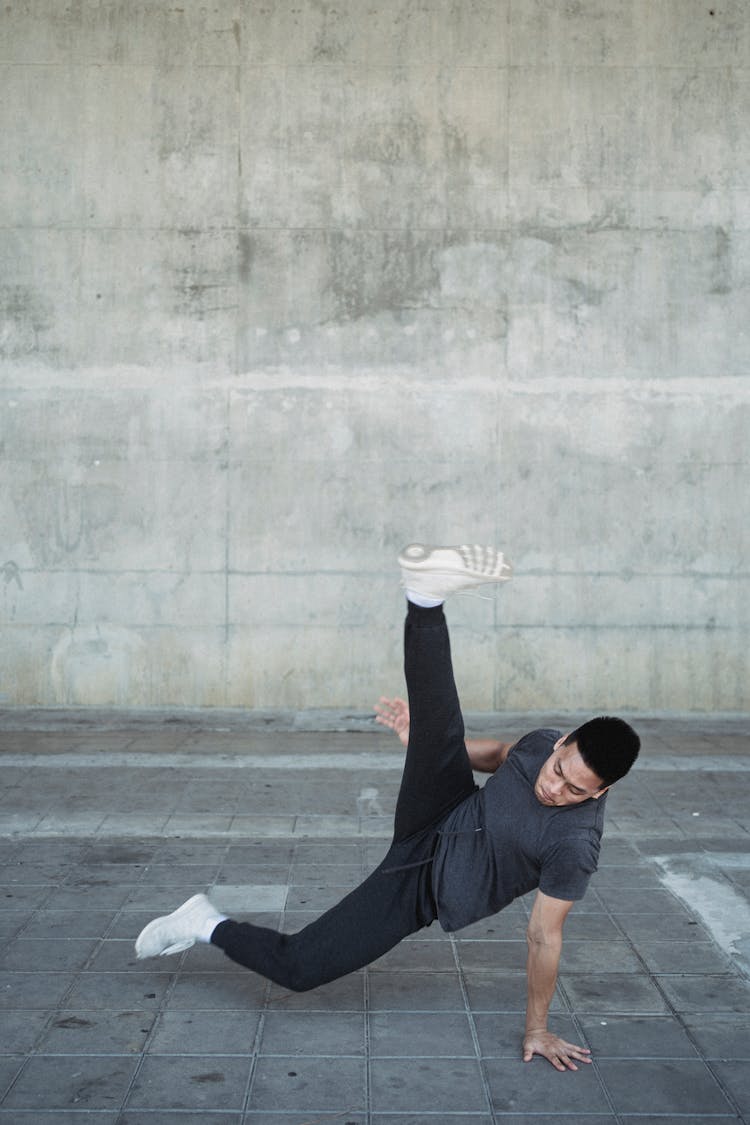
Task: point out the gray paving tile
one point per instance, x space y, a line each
735 1078
404 1034
268 1117
67 1082
724 1036
637 1037
612 992
204 1033
116 955
218 991
203 958
330 874
69 924
20 1030
37 990
20 897
85 897
191 852
11 922
184 874
119 991
206 1083
500 992
502 955
75 1032
436 956
57 1117
591 927
428 1085
10 1065
415 992
663 1086
344 995
509 925
622 900
707 993
51 954
536 1086
160 900
668 927
179 1117
631 877
673 1119
313 1033
683 957
309 1084
598 957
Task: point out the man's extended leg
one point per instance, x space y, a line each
437 773
393 902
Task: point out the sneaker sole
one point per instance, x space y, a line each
416 558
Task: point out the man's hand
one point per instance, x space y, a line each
394 714
553 1048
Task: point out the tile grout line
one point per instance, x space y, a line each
473 1029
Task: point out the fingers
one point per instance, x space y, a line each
562 1055
389 711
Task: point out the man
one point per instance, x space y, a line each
459 853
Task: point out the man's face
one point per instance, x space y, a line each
565 779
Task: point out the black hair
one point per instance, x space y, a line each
608 747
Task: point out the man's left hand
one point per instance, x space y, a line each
562 1055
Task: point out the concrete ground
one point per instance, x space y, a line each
107 821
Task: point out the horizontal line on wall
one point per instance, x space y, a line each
221 626
360 67
130 378
385 572
517 230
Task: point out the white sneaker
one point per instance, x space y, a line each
435 572
176 931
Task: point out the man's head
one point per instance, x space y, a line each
584 763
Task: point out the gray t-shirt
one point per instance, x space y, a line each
502 842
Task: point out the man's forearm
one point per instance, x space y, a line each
541 974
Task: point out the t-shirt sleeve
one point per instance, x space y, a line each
568 866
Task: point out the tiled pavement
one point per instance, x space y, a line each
106 821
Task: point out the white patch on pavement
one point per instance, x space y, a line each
722 910
250 898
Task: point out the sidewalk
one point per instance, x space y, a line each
108 820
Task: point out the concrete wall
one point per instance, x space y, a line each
287 284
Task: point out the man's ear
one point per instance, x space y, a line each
560 741
601 793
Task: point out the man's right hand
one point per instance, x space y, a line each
394 714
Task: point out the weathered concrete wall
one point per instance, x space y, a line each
285 285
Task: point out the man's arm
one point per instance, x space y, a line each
544 936
485 754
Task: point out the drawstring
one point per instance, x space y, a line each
429 859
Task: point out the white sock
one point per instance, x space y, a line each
422 600
209 926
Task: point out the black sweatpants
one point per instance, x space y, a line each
396 899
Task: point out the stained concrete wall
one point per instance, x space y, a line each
286 285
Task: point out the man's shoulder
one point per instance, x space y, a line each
541 739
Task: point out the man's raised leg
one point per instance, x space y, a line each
437 773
